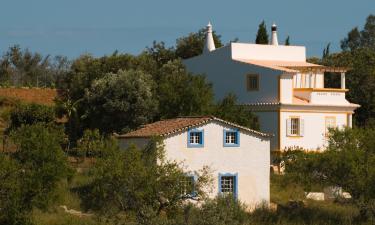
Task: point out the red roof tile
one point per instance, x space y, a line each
170 126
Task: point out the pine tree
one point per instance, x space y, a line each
262 35
326 51
287 42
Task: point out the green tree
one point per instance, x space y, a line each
44 165
192 44
28 114
12 210
353 40
139 181
361 39
118 101
91 144
229 109
24 68
326 51
347 163
182 94
287 41
262 34
30 175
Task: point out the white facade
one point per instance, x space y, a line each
249 161
288 87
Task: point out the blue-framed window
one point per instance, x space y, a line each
228 184
231 138
195 138
188 189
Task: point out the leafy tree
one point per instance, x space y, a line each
38 151
30 175
287 41
347 163
353 40
181 93
192 45
361 39
28 114
262 34
12 210
229 109
120 101
23 68
91 143
139 181
160 53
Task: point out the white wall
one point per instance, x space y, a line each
268 52
286 86
314 129
251 160
229 76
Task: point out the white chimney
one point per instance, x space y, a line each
209 44
274 40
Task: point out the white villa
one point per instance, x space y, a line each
286 93
238 156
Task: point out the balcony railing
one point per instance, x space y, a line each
332 96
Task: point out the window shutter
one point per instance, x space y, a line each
201 137
288 127
302 127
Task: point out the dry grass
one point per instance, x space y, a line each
44 96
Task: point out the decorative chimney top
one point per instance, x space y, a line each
274 40
209 44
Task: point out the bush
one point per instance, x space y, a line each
28 114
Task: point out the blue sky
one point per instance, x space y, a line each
99 27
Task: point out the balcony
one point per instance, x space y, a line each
332 96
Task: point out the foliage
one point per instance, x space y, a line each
12 210
30 176
23 68
28 114
229 109
287 41
181 93
192 45
262 34
361 39
136 180
120 101
346 163
91 144
42 161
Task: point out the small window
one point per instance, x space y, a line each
295 127
252 82
228 184
195 138
231 138
188 186
329 123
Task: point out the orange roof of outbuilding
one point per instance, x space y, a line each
170 126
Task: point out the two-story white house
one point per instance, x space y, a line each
238 156
287 93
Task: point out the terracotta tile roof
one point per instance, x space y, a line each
44 96
170 126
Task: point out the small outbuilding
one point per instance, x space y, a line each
238 156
